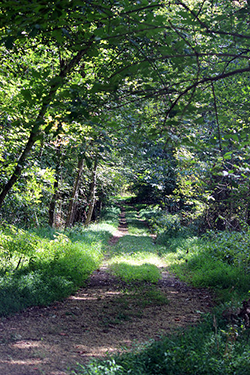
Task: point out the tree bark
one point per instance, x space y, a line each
70 216
54 199
92 195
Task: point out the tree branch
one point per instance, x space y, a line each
204 80
178 56
205 26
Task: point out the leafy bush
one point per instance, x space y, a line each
166 226
110 215
16 247
212 261
18 291
150 213
217 275
230 247
74 261
96 368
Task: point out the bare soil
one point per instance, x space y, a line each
101 318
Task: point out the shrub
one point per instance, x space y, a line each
18 291
229 247
16 247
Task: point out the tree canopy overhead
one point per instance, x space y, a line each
99 72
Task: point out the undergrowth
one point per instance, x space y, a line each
46 265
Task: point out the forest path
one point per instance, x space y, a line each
100 318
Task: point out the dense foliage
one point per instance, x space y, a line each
151 97
98 97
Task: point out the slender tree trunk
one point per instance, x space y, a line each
18 169
54 199
70 216
34 135
52 206
92 194
36 129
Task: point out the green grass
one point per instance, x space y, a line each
135 258
217 260
45 265
136 225
133 273
211 263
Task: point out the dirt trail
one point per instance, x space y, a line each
97 320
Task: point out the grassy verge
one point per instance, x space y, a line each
216 260
220 263
40 267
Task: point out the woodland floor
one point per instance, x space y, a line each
101 318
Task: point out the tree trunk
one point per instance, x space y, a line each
18 170
55 196
70 216
36 129
92 194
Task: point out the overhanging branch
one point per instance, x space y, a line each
205 80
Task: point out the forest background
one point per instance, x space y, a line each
101 98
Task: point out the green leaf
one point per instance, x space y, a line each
228 156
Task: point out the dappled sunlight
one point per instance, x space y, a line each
24 356
95 297
137 250
139 259
27 362
128 299
25 344
135 243
98 350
